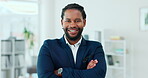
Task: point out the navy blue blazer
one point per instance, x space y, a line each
55 54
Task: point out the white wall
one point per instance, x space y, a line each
46 19
121 16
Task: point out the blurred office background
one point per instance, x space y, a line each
120 25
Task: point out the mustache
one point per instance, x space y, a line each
71 28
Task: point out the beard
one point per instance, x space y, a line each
73 38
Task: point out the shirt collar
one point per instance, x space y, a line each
76 44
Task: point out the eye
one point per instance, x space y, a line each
67 21
78 21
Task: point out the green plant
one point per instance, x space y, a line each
29 36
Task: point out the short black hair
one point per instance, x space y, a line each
74 6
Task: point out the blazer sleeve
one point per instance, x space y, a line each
97 72
45 67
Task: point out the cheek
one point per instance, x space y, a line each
81 25
65 23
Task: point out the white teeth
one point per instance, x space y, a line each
72 30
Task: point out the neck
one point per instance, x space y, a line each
72 42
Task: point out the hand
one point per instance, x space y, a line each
92 64
56 72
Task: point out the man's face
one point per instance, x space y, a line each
73 24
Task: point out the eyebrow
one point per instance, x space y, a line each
75 19
67 19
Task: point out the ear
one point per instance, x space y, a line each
84 21
62 22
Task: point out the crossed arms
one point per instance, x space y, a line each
95 68
90 65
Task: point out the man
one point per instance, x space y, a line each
71 56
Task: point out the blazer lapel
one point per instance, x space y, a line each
68 51
81 53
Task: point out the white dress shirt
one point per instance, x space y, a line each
74 48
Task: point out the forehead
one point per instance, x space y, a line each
72 13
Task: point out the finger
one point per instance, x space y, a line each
96 61
92 66
91 62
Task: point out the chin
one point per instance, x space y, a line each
73 38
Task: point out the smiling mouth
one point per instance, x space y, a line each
73 29
73 33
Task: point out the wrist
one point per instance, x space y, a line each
60 70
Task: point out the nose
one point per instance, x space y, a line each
73 24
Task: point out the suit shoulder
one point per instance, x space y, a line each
94 43
51 41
